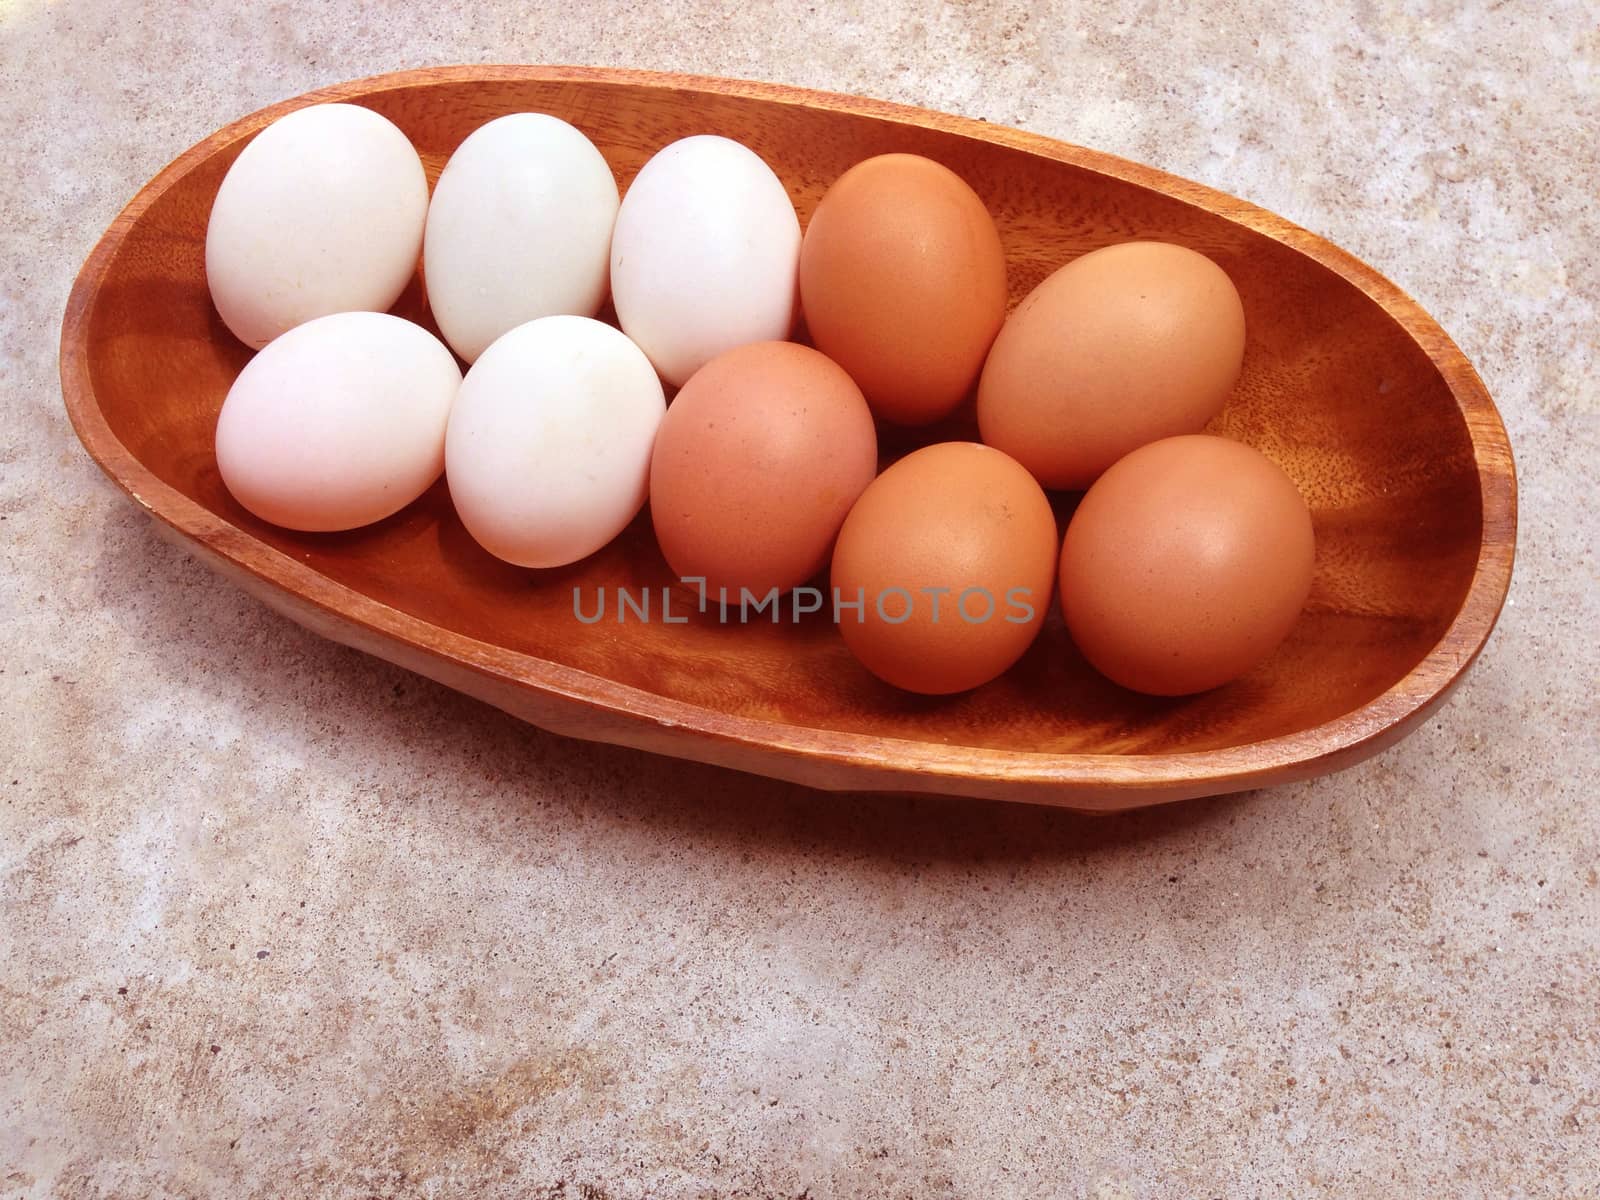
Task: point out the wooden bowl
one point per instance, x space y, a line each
1347 384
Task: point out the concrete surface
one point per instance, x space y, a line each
282 921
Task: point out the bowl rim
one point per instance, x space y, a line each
1327 746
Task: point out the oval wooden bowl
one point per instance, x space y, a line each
1347 384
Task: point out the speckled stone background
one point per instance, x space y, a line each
279 920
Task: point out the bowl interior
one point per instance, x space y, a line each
1333 389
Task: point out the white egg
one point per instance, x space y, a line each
338 423
548 450
519 228
321 213
705 255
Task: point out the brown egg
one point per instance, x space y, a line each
903 284
756 464
948 560
1185 565
1127 344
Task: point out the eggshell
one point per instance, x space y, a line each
704 255
1185 565
519 228
1128 344
338 423
756 465
548 448
951 553
321 213
903 283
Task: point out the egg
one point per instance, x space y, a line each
704 255
547 453
1185 565
903 283
944 568
1125 345
321 213
757 463
338 423
519 228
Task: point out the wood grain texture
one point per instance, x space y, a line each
1347 384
